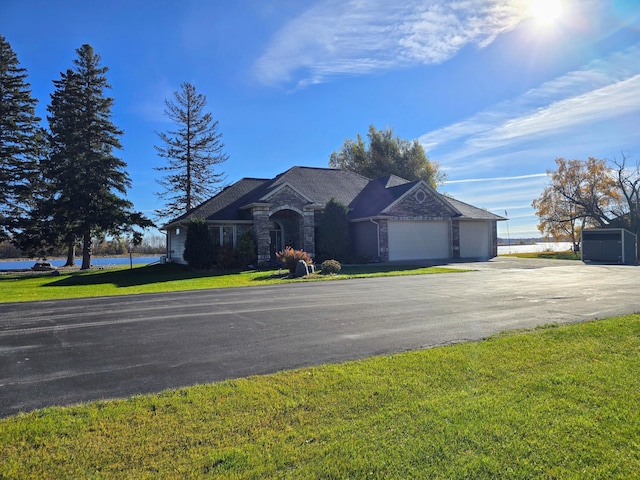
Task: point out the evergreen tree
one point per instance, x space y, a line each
333 232
199 249
21 141
193 149
85 178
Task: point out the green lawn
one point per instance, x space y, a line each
569 255
556 402
168 278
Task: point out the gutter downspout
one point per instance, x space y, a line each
377 237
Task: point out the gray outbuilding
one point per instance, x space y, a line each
608 245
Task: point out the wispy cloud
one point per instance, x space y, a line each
592 111
338 37
496 179
605 89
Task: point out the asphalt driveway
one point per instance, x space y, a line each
63 352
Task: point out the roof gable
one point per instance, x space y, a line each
421 200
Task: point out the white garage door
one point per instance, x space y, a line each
474 240
418 240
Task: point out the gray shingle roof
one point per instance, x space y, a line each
365 197
322 184
378 195
469 211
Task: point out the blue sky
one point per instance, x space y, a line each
494 90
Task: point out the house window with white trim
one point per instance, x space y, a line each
228 235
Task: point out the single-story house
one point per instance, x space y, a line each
391 219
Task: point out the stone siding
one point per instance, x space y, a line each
417 202
455 238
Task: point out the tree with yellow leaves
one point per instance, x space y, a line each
580 194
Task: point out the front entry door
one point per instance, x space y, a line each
275 234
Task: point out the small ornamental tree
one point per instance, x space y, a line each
334 241
290 258
199 250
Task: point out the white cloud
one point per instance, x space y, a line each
494 158
338 37
496 179
567 107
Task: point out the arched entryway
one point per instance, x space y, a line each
285 230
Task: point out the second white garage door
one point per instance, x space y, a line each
418 240
474 239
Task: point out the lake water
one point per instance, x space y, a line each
535 247
95 261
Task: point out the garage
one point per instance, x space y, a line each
474 239
418 240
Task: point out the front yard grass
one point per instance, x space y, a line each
555 402
168 278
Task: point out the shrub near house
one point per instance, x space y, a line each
330 267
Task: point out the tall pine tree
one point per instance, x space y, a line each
193 149
21 141
85 178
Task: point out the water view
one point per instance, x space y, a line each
95 261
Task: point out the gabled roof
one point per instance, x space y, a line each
471 212
378 195
365 198
225 204
321 184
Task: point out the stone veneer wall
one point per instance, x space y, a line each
494 239
455 238
416 203
261 232
384 240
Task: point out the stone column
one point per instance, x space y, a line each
494 239
309 232
261 232
455 238
384 240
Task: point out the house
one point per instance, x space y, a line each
391 219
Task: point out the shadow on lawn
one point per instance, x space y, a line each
132 277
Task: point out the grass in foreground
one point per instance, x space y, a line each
557 402
568 255
167 278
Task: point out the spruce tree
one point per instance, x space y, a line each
21 141
199 249
334 241
85 177
193 149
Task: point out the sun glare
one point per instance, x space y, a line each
546 11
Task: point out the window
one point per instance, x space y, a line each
228 235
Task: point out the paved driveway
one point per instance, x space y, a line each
62 352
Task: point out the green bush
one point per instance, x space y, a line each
290 258
199 250
330 266
226 257
333 239
246 249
